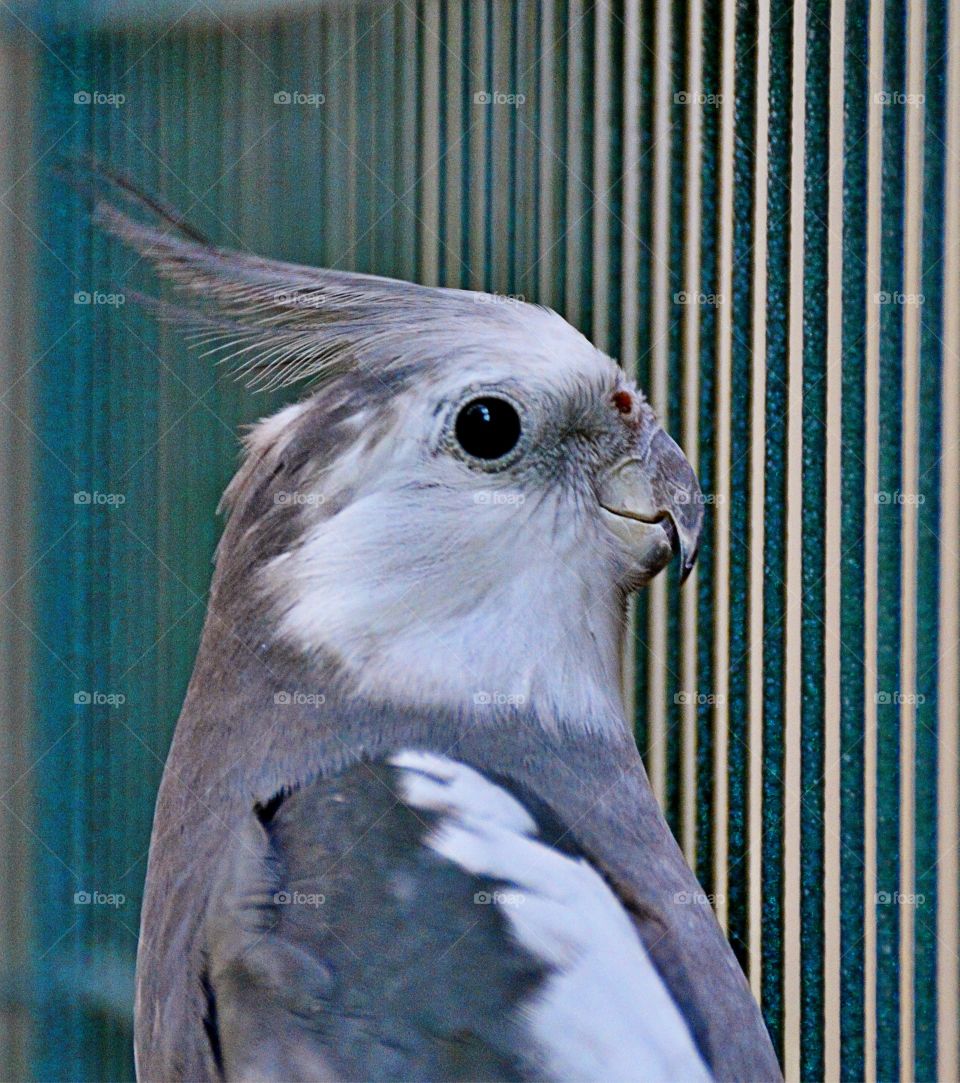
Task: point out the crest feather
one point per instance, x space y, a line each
277 323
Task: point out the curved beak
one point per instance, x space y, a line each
658 485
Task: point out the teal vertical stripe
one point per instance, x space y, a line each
644 230
472 131
778 307
742 460
491 168
679 111
929 585
853 359
565 57
614 197
707 465
889 579
515 160
114 754
815 362
582 54
444 136
59 597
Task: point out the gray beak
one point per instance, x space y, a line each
659 486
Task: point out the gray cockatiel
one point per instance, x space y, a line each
404 832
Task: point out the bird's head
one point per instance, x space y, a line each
457 511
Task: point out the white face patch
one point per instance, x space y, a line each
604 1013
430 598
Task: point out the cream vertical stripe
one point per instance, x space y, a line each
912 285
630 241
659 372
630 270
454 159
948 680
350 141
691 416
573 160
503 193
410 75
479 118
721 510
601 178
833 554
794 543
871 535
758 436
547 158
431 232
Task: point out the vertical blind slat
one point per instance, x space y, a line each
948 659
856 738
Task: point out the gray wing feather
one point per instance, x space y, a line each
339 946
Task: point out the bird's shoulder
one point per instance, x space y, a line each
412 916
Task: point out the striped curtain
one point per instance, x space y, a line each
755 206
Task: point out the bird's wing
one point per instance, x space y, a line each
412 918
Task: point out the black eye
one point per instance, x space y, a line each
488 428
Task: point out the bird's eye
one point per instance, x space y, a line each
488 428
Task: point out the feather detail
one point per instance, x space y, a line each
274 323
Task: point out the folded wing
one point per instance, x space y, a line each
412 918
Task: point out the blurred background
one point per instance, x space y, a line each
755 206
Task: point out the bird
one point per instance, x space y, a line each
404 831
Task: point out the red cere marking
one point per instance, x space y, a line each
623 401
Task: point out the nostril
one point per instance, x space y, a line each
623 401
